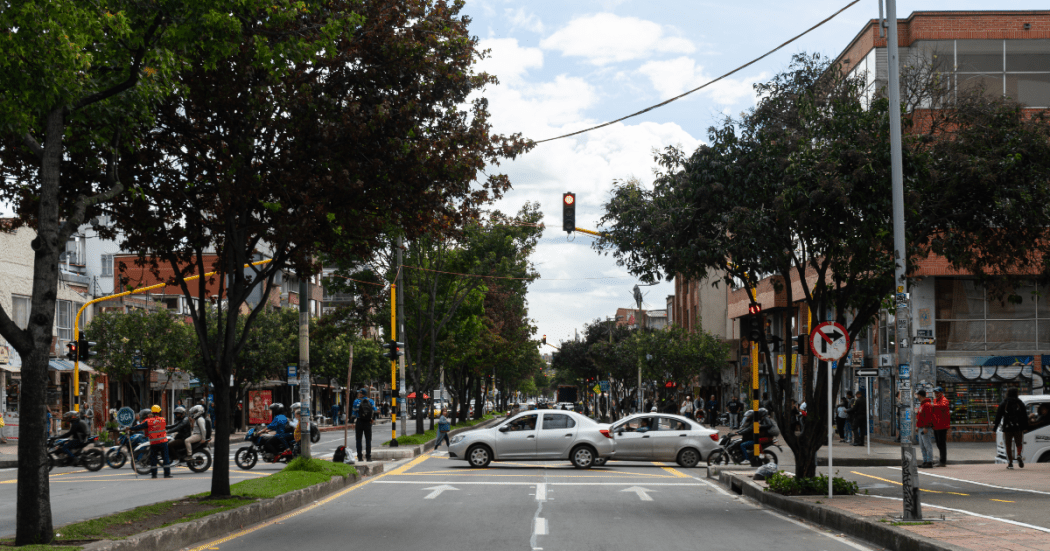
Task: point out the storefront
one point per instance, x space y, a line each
976 385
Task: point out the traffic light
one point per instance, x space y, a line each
543 340
394 350
84 346
568 211
754 309
751 327
71 354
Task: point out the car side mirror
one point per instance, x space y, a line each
504 428
619 432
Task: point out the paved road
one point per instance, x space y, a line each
1018 495
533 506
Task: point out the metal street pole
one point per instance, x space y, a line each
401 331
393 366
346 402
304 363
910 471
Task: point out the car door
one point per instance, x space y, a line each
556 435
517 438
670 435
633 439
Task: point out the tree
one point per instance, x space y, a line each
799 186
77 80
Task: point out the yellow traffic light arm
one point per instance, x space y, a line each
591 232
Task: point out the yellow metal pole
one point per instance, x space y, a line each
76 324
754 380
393 365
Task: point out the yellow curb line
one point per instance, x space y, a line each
899 484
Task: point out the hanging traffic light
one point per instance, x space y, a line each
394 350
84 348
568 211
543 340
71 353
754 309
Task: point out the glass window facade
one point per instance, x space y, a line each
968 320
1019 69
976 403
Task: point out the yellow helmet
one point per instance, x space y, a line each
155 409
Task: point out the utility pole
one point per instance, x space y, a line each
304 362
910 471
401 331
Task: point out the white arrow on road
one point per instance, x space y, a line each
437 490
643 493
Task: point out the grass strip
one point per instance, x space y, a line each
431 435
298 474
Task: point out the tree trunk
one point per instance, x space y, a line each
220 478
33 511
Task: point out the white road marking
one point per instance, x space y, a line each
541 492
1008 521
819 531
501 483
541 527
643 493
978 483
438 490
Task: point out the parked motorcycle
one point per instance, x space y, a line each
198 461
729 451
89 456
247 456
117 455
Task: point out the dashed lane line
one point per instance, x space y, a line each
899 484
980 483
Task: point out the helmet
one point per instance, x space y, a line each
295 407
196 411
144 413
70 415
277 408
155 409
762 413
180 411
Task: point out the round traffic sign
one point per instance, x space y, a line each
829 341
125 416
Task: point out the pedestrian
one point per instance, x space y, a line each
335 413
857 414
443 428
364 414
942 421
850 399
840 418
158 440
796 417
1014 419
733 407
924 426
687 407
712 411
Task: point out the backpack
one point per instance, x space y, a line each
1015 417
365 411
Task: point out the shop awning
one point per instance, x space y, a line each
413 395
66 365
10 368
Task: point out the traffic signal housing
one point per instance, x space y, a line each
71 351
568 211
751 327
394 350
754 309
84 348
543 340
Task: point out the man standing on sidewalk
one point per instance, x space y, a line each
942 417
364 413
712 412
1014 418
857 414
924 426
733 407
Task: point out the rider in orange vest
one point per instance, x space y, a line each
158 440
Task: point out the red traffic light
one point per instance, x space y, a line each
754 309
569 198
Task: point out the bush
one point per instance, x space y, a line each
785 484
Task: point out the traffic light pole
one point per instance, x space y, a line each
304 363
393 367
401 330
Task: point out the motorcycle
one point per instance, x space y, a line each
89 456
729 451
247 456
117 455
198 461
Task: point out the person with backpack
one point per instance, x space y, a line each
1014 419
443 428
364 411
924 427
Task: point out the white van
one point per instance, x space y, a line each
1036 443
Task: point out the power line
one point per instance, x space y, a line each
705 85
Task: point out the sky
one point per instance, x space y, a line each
570 64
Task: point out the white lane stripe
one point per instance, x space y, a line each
979 515
541 527
979 483
498 483
541 492
834 536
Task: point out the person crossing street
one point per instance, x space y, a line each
1013 416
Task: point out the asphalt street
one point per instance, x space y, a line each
533 506
78 494
943 487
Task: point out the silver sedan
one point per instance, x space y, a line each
537 435
663 437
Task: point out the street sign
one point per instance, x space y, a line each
829 341
125 416
924 340
293 381
597 389
865 372
293 371
604 385
136 361
903 371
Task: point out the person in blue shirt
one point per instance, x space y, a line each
279 425
364 415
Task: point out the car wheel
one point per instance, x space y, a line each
200 461
479 456
245 458
583 457
688 458
1045 458
600 461
718 457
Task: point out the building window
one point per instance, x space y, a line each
64 319
887 333
1019 69
107 265
20 311
968 320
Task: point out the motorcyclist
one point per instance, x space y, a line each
747 430
293 423
279 426
198 428
76 436
180 429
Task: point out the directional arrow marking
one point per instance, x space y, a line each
437 490
643 493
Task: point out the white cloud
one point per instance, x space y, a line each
519 19
507 60
674 76
606 38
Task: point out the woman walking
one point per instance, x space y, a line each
443 429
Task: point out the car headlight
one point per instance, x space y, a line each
457 439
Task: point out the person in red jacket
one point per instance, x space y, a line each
924 428
942 421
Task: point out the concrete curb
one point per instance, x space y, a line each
877 533
179 536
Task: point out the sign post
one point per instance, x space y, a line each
830 342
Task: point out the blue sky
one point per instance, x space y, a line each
569 64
